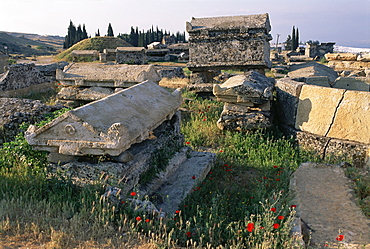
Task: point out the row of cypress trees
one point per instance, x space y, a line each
143 38
75 35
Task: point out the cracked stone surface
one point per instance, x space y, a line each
327 204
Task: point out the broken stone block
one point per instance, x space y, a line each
110 125
86 94
251 88
101 75
353 83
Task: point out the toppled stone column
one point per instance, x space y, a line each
108 126
248 102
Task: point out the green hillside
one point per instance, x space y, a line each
95 43
24 46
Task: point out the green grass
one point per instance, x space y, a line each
244 202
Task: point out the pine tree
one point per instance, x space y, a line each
110 30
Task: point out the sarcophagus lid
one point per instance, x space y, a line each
110 125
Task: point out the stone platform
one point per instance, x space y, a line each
327 206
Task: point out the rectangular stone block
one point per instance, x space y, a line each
288 92
318 81
110 125
316 108
353 83
101 75
352 119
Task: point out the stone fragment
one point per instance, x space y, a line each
311 69
353 83
316 108
364 57
252 88
348 65
318 81
110 125
352 118
86 94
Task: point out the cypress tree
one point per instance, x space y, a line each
110 30
297 38
293 39
84 33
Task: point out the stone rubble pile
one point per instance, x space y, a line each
248 102
14 112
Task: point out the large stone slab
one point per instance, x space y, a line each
316 108
311 69
352 119
96 74
327 205
110 125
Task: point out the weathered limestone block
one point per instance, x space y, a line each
288 92
243 121
316 108
318 81
311 69
86 94
352 118
341 56
348 65
131 55
229 41
101 75
251 88
170 72
110 125
353 83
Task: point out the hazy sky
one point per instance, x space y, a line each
346 22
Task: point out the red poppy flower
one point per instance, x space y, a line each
278 179
264 177
198 188
273 210
138 218
210 178
280 217
133 193
276 225
275 166
293 206
340 237
221 151
187 142
210 172
193 177
147 220
226 165
188 234
177 211
250 227
205 119
262 228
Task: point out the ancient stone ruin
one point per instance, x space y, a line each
248 102
237 42
131 55
82 83
109 126
326 115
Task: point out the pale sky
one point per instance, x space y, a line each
346 22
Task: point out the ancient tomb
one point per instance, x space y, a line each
82 83
108 126
234 42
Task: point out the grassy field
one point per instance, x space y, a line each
244 202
